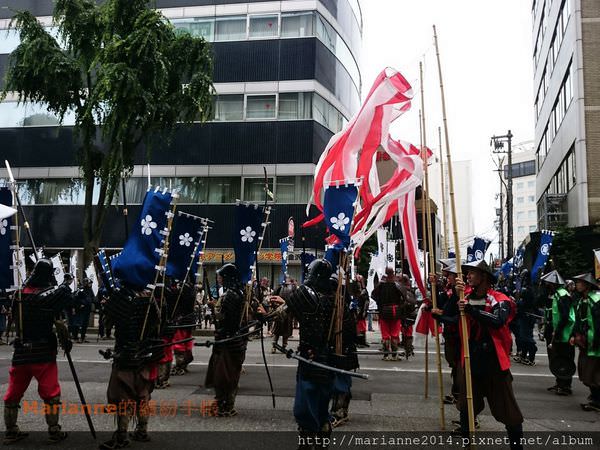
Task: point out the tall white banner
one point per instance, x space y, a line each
19 272
59 270
73 269
90 273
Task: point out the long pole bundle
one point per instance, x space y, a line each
431 256
463 320
443 191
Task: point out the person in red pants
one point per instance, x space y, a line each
36 348
390 304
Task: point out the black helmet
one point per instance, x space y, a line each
42 275
231 276
319 274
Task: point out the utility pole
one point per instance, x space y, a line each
497 143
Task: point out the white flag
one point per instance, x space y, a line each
371 275
390 254
90 273
73 269
18 265
59 271
423 263
40 255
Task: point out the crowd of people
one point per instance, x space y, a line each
153 331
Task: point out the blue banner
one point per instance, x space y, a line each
470 255
283 244
136 265
542 256
518 259
451 255
507 268
479 248
338 208
6 273
246 234
184 239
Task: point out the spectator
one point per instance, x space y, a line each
84 299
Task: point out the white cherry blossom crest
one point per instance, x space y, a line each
148 225
185 239
248 234
3 226
340 222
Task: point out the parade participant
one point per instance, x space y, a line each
361 297
488 314
348 360
282 324
313 305
83 301
167 333
36 348
409 315
184 318
225 365
559 320
526 322
447 314
390 303
138 349
586 335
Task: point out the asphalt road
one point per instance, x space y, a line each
392 400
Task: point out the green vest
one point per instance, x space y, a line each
592 299
568 329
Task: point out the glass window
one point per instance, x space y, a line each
264 26
531 184
297 24
9 40
531 198
520 185
52 191
520 199
224 189
520 215
198 26
261 107
521 230
192 189
254 189
293 189
532 228
229 107
230 28
531 214
11 114
295 105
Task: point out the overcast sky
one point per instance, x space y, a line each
486 53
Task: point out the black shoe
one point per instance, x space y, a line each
118 440
553 388
449 400
57 436
140 436
563 391
591 406
10 437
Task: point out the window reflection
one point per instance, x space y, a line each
263 26
254 189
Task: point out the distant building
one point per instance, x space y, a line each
567 111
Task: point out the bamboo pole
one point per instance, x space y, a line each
443 192
431 257
463 320
424 245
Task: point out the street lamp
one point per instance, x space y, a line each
497 144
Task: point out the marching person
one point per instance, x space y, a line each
282 323
408 316
84 299
361 298
447 314
526 322
586 336
488 314
559 320
137 351
390 303
225 364
36 348
313 305
184 318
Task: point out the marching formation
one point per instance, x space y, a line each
150 293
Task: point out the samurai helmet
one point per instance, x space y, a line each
319 275
480 266
588 278
231 276
42 275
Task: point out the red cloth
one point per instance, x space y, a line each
168 351
501 337
390 328
183 334
407 330
19 378
361 326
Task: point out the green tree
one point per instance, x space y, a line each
568 255
127 75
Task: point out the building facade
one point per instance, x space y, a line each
287 77
524 200
567 109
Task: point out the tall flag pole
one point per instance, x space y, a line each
443 192
431 257
423 225
463 319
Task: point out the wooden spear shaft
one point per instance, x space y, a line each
443 191
463 320
424 245
432 258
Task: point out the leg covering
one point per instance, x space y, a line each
12 433
52 411
515 434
